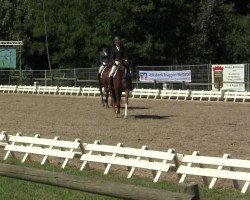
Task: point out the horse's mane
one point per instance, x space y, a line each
110 63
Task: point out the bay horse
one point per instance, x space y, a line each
122 82
104 83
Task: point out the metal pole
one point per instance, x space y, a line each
208 75
20 67
248 77
46 38
45 78
75 76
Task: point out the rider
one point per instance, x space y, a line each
104 58
117 54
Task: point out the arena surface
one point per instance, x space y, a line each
213 128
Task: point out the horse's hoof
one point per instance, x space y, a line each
116 115
125 117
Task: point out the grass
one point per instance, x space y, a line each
18 189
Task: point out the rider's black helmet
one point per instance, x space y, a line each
116 39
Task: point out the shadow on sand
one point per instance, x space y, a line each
136 108
151 116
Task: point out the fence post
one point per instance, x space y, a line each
209 67
9 77
45 78
75 76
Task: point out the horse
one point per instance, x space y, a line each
122 82
104 83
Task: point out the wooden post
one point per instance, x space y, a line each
190 188
113 189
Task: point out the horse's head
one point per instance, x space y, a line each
124 65
126 78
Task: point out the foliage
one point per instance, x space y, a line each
154 32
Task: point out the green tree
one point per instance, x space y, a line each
238 40
155 32
210 30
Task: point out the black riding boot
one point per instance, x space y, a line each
99 77
110 83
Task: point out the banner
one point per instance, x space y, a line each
168 76
8 58
225 77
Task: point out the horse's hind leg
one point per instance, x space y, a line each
100 89
106 98
126 104
102 100
118 102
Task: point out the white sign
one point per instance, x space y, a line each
228 77
169 76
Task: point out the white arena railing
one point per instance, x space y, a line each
135 93
209 168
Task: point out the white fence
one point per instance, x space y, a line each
215 167
131 158
135 93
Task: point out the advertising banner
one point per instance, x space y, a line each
8 58
168 76
228 77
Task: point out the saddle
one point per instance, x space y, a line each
107 66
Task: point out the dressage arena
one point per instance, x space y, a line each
213 128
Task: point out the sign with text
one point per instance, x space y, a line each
8 58
168 76
228 77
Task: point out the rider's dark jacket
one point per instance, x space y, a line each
118 54
104 57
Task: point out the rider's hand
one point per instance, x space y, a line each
117 63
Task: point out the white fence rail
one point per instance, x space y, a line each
47 90
146 93
206 95
175 94
8 88
237 96
40 146
214 167
69 90
136 93
131 158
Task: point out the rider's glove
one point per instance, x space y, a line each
117 63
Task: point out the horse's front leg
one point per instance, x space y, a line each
101 94
113 100
126 104
117 102
106 97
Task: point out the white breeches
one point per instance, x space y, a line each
101 68
112 71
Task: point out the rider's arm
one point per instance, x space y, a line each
112 54
100 58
